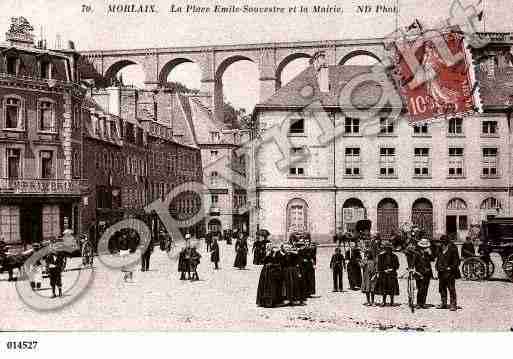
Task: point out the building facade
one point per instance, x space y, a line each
131 159
40 139
335 165
218 143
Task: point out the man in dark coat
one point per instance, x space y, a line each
354 272
145 257
421 262
447 266
184 260
388 264
214 253
195 261
208 241
55 263
337 265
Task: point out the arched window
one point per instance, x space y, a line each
491 203
456 204
297 216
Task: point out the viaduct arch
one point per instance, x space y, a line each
270 59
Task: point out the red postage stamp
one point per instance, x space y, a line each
436 76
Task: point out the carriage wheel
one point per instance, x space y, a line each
473 269
507 266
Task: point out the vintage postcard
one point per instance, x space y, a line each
256 166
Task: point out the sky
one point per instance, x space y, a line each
99 29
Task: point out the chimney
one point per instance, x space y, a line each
322 71
114 100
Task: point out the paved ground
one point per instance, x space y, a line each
225 300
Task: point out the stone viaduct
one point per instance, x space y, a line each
270 58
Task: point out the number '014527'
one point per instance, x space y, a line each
22 345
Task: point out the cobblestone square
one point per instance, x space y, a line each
225 300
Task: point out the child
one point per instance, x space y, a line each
337 265
369 277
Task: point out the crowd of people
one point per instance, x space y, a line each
377 272
288 275
288 272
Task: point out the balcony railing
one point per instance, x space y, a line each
41 186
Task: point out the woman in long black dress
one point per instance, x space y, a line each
241 248
387 284
270 284
307 257
293 278
354 273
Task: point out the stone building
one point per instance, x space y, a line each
132 157
331 168
218 143
40 138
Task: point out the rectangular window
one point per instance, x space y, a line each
421 165
215 199
10 224
13 163
46 164
297 126
352 161
456 162
75 164
51 222
12 113
456 126
489 128
352 126
45 69
215 137
386 126
12 64
462 223
421 130
297 171
213 154
490 162
46 116
387 162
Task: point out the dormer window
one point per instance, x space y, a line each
12 65
297 126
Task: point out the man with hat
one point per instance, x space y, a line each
447 265
421 259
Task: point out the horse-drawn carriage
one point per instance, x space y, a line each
496 237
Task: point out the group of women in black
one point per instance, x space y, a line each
288 275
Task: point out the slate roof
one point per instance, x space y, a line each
303 90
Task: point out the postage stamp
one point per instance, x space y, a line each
436 76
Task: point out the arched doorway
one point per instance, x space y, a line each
422 216
388 217
297 216
456 220
490 207
353 210
214 225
